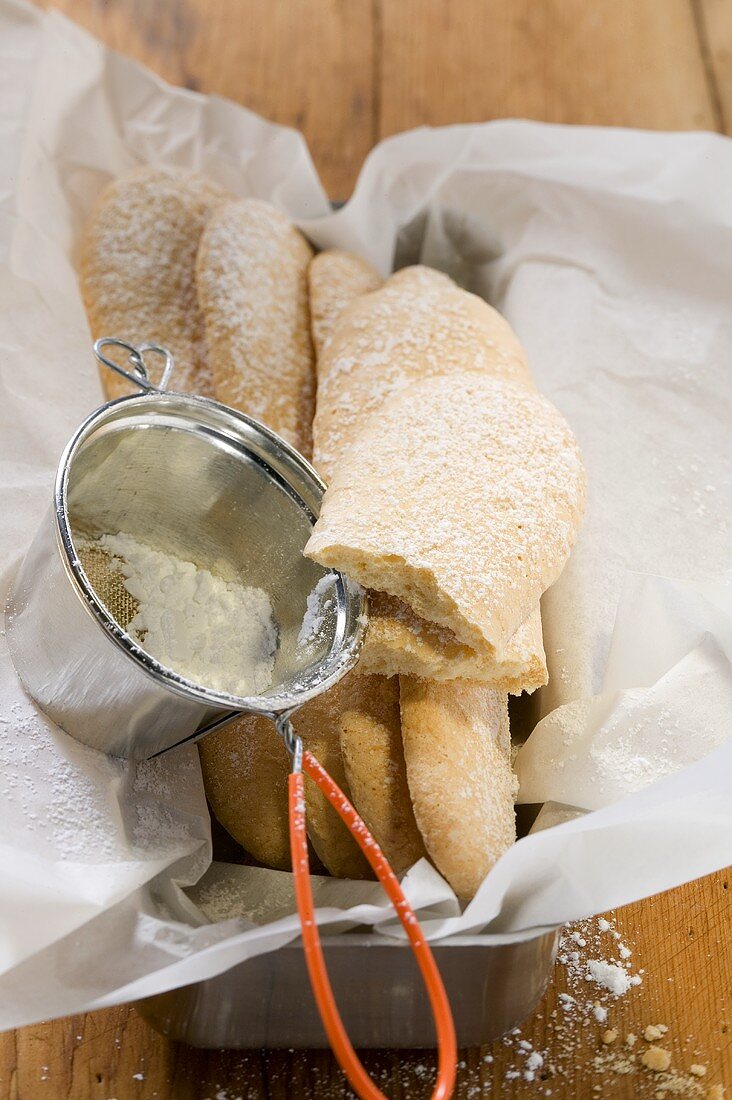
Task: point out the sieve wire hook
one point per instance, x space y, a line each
293 743
136 353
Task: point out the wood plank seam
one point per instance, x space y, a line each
377 31
705 51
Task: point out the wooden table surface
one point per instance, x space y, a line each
348 73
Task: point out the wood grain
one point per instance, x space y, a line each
714 26
302 63
612 63
348 72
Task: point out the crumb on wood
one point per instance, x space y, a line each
656 1059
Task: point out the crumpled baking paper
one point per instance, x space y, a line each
611 254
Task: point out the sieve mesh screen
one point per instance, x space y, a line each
107 580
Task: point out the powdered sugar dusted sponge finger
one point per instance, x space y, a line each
137 271
318 723
370 735
463 498
251 272
245 769
419 325
336 278
234 267
252 288
371 744
458 759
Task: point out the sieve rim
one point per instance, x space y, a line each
352 600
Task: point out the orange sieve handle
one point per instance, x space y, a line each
347 1058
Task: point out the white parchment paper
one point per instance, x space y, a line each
611 254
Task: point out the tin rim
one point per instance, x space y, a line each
350 595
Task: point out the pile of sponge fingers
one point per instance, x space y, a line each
454 494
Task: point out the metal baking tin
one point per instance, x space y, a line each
266 1002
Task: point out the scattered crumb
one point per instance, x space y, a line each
698 1070
612 1062
675 1084
657 1059
595 972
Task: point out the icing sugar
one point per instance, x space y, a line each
217 633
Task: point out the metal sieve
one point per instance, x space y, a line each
192 478
197 480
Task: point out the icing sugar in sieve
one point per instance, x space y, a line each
209 630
